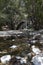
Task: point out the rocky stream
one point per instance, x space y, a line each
23 49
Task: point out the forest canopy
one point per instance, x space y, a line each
12 11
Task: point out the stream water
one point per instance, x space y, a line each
22 46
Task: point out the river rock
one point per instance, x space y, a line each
36 50
5 59
13 47
38 59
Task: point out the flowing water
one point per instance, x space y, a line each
22 45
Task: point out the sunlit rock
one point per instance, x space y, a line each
5 59
29 54
18 35
33 41
36 36
38 59
13 47
18 57
13 40
41 41
33 33
36 50
23 60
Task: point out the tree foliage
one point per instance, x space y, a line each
15 10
